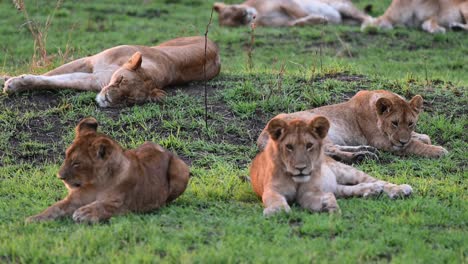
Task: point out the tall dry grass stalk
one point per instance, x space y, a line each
39 32
204 70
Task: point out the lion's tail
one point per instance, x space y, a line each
178 177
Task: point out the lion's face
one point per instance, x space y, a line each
299 144
397 119
234 15
128 85
89 160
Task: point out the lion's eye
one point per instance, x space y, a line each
289 147
76 164
309 145
395 123
410 124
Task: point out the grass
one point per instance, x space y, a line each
219 218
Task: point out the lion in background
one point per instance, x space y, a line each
433 16
371 120
294 168
277 13
104 180
129 74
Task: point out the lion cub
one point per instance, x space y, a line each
104 180
294 168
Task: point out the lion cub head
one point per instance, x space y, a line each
397 118
298 144
129 84
90 159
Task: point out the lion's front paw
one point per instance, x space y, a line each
362 155
372 189
38 218
329 203
86 214
398 191
17 84
272 210
439 152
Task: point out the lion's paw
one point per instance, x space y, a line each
37 218
19 83
398 191
439 152
362 155
272 210
86 214
372 189
329 203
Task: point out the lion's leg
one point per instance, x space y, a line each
318 201
77 81
366 189
274 203
80 65
432 26
178 175
347 175
417 147
349 11
60 209
421 137
309 20
350 154
98 211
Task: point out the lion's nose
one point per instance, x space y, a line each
403 141
301 167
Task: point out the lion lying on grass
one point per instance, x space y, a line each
370 120
289 12
432 16
128 73
104 180
293 167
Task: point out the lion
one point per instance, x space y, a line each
433 16
371 121
289 13
120 80
104 180
293 167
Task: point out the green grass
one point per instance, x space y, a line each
219 218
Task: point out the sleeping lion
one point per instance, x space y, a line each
129 74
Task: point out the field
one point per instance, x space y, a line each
219 218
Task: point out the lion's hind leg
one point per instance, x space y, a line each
318 201
347 175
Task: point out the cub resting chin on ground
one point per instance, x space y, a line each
371 120
104 180
129 74
294 168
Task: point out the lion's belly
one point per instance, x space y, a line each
314 7
341 134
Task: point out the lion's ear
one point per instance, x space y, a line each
416 103
102 148
276 128
383 105
134 62
86 125
320 126
218 6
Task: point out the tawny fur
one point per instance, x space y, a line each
289 13
371 119
293 168
129 74
104 180
433 16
